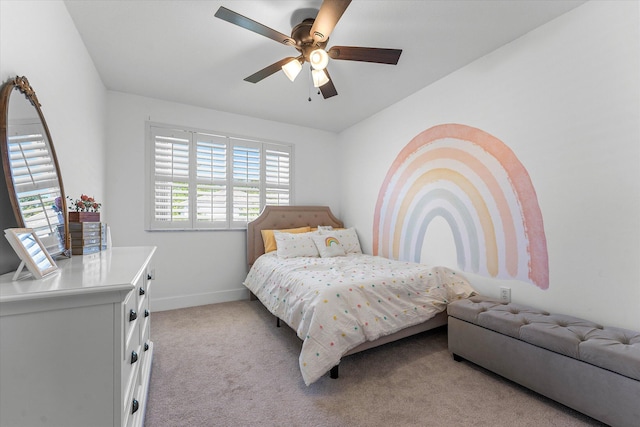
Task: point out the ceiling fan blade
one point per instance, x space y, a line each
328 89
267 71
328 16
251 25
366 54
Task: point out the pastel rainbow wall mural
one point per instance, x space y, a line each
475 183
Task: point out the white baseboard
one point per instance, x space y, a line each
184 301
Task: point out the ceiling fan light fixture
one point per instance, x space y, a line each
292 69
319 59
319 78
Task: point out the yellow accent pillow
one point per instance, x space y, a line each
270 241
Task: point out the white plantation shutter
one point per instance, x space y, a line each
246 170
171 178
211 180
35 179
202 180
277 175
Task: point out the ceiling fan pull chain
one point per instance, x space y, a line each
309 84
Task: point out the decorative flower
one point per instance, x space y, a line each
84 204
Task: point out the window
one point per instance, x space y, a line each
203 180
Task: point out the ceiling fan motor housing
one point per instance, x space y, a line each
305 43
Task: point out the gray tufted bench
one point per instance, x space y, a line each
583 365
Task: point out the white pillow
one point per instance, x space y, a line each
347 237
294 245
328 246
322 228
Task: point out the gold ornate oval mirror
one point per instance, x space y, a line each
31 167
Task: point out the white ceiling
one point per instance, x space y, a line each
178 51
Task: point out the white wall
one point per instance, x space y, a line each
200 267
566 99
39 40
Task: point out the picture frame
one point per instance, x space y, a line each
31 251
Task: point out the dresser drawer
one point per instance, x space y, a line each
135 408
130 318
143 310
144 329
130 367
142 291
145 345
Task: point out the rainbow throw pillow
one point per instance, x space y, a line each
328 246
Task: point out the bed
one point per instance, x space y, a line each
340 305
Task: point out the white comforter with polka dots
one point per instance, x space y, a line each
337 303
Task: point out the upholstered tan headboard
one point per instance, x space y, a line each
279 217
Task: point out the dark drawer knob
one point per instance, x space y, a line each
132 315
134 357
146 313
149 277
146 346
142 290
134 406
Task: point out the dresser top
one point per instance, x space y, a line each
115 269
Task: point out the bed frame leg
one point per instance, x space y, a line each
334 372
457 358
277 322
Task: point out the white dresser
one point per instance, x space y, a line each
75 348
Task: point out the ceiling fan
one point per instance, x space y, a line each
310 38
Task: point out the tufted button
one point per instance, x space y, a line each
514 311
561 324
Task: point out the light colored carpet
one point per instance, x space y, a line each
228 365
